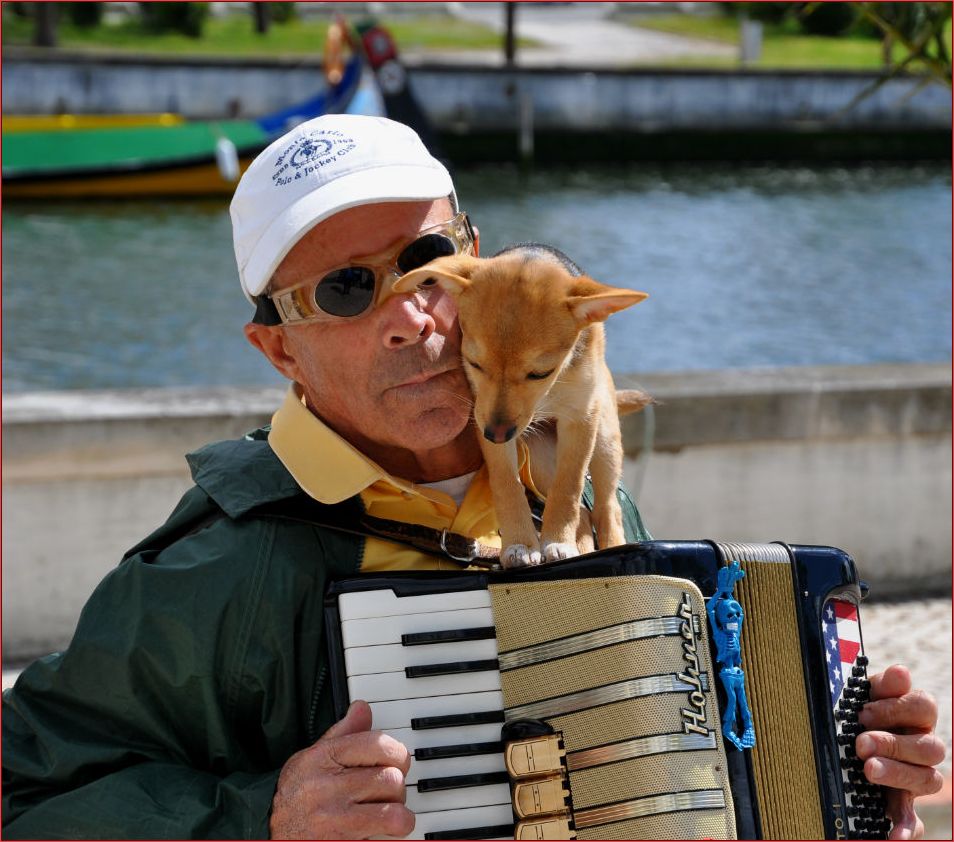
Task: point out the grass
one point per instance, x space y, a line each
783 45
234 34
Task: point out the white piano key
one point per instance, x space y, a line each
381 630
386 603
390 686
446 767
491 816
456 799
398 714
433 737
361 660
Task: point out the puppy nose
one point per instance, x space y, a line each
499 433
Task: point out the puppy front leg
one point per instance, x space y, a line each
561 515
606 468
517 533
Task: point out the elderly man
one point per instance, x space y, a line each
193 700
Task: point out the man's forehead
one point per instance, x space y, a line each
357 232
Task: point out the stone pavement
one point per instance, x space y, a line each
571 35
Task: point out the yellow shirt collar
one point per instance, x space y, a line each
324 464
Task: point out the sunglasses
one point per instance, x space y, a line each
352 290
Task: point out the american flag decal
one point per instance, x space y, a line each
842 643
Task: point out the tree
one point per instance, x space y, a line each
260 12
510 37
44 18
919 30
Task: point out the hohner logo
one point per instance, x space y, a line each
694 716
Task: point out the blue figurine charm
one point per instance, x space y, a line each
725 620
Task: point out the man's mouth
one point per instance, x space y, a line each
423 377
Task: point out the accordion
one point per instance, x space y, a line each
580 699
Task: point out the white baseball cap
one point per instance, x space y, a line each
319 168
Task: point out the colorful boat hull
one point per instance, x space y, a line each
105 156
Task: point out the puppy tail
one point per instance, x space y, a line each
629 401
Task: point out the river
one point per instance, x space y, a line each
745 267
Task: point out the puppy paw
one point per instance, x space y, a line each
520 555
554 551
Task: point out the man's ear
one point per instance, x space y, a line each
271 341
590 301
452 273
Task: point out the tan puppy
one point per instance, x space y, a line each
533 349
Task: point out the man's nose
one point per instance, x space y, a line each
408 322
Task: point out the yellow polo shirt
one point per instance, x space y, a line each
330 470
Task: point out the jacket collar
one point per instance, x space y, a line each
241 474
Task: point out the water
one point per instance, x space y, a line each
746 267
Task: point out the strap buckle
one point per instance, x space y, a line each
469 546
463 549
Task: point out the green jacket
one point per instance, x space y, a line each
197 668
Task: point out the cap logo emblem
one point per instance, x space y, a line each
309 153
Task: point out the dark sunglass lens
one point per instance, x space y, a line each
424 250
346 292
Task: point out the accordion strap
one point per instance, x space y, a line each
350 517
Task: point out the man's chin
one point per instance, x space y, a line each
436 427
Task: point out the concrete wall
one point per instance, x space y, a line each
653 100
855 457
458 97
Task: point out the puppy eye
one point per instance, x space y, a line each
537 375
429 282
474 365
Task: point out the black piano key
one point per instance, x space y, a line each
451 668
462 781
461 750
457 720
496 831
449 636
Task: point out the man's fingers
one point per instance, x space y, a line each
914 710
917 780
363 821
894 681
373 785
920 749
358 718
368 748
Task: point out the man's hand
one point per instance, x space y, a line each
348 785
900 748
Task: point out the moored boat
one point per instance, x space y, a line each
80 156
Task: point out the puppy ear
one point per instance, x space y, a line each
590 301
452 273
